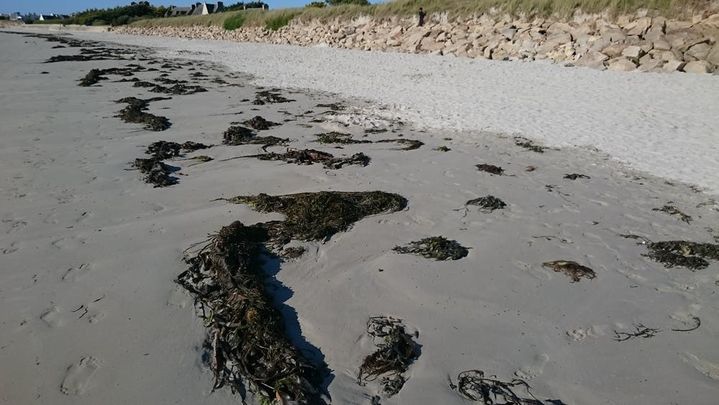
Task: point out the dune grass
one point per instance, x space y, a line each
275 19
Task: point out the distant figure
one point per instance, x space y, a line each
422 14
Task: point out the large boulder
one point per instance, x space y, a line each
673 66
592 59
698 66
621 65
633 52
713 55
699 51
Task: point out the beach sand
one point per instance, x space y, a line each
89 252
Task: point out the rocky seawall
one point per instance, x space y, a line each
626 43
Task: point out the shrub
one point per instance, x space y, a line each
278 22
340 2
317 4
234 22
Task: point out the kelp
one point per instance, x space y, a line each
640 331
156 172
135 113
168 150
239 135
436 247
396 351
680 253
487 203
571 269
269 97
339 138
474 385
312 156
575 176
96 75
491 169
259 124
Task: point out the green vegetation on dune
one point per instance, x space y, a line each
275 19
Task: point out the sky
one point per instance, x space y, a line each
70 6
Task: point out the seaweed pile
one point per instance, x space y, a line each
178 89
436 247
528 145
573 270
491 169
474 385
167 150
396 351
312 156
692 255
96 75
345 139
269 97
238 135
156 171
259 124
575 176
247 342
135 113
488 203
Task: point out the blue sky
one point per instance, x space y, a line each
69 6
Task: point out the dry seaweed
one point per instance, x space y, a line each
575 176
338 138
691 255
436 247
529 145
239 135
247 343
135 113
318 216
312 156
269 97
259 124
473 385
572 269
396 351
156 172
491 169
640 331
672 210
488 203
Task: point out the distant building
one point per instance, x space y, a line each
200 8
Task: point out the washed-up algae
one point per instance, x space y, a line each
573 270
474 385
396 351
488 203
436 247
259 124
692 255
575 176
96 75
168 150
338 138
674 211
528 145
135 112
312 156
491 169
239 135
247 341
156 172
269 97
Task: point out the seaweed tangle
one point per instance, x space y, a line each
491 169
674 211
96 75
692 255
338 138
167 150
575 176
474 385
312 156
640 331
573 270
488 203
259 124
269 97
396 351
156 172
238 135
135 113
436 247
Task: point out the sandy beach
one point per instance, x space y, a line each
591 167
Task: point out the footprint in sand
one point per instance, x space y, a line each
533 370
580 334
69 243
75 273
10 249
52 317
705 367
14 224
77 377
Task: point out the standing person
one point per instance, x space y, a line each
422 14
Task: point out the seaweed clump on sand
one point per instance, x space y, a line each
259 124
575 176
167 149
135 112
488 203
491 169
96 75
528 145
573 270
269 97
396 351
338 138
247 343
312 156
436 247
674 211
156 172
692 255
238 135
474 385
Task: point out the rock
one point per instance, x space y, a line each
713 55
396 32
662 44
699 51
699 66
633 52
614 50
621 65
711 22
673 66
592 59
430 45
650 65
509 33
639 27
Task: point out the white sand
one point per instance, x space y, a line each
77 227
